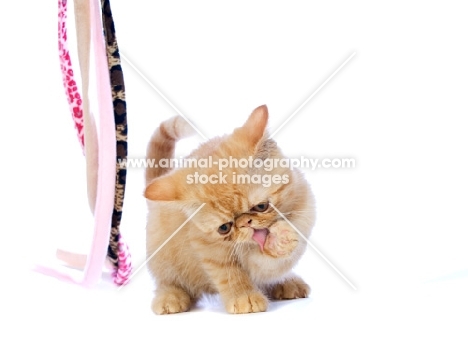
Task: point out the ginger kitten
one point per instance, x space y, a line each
236 245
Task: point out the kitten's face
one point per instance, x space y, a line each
245 214
236 212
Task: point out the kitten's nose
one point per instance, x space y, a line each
244 221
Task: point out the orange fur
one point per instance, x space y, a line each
199 259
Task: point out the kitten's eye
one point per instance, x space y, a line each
262 207
225 228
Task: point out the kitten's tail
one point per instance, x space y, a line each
162 145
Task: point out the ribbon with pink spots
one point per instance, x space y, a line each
95 259
74 99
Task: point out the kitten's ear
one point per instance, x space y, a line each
162 189
254 128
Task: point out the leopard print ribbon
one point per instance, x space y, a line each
117 251
112 191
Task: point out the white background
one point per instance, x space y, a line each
396 225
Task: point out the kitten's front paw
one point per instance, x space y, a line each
171 302
292 288
253 302
281 241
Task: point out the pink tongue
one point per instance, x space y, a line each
260 236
